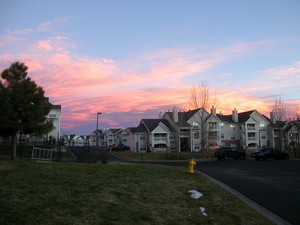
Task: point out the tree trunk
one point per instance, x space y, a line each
14 147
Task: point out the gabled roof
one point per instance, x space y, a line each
292 124
296 123
225 118
85 137
244 116
51 105
278 124
183 117
139 129
99 131
113 130
151 124
121 130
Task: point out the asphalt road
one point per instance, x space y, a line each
274 185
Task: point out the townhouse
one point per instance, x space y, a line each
152 135
51 137
284 134
198 129
54 116
76 140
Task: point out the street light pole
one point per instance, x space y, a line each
97 134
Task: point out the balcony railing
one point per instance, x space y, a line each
251 138
160 138
213 138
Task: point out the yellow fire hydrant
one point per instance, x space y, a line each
191 165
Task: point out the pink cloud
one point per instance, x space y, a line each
46 45
12 37
125 90
285 71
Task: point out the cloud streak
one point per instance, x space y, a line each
127 90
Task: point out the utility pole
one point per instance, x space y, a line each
97 133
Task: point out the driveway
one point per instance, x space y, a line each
275 185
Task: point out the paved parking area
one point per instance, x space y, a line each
275 185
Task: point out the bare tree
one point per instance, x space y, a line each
279 109
200 100
200 95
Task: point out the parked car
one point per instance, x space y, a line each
227 152
120 147
269 153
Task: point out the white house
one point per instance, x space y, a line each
76 140
188 127
253 129
154 135
121 136
195 127
110 136
54 116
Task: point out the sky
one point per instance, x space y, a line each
132 59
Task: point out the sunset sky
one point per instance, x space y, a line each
132 59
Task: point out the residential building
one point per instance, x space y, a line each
292 134
197 128
190 128
110 136
121 137
54 116
154 135
76 140
51 137
97 134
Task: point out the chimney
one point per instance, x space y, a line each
213 110
175 115
273 117
160 115
235 115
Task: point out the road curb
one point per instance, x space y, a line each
271 216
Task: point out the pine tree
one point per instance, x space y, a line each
23 105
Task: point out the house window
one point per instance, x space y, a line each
212 136
251 136
160 137
142 137
212 125
197 147
251 126
195 125
52 115
196 135
184 130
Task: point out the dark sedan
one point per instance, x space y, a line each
269 153
120 147
227 152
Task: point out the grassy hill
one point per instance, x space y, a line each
77 193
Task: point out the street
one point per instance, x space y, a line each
275 185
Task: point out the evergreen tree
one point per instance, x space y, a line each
23 105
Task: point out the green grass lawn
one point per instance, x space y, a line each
72 193
129 155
